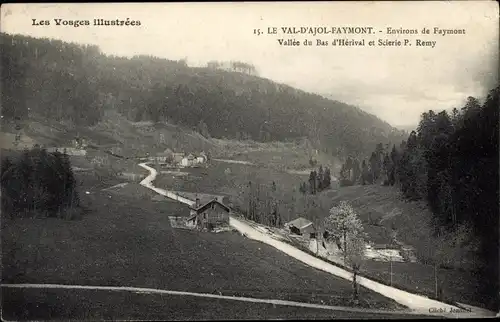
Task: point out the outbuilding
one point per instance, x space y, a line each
301 226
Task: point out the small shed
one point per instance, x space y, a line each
209 215
301 226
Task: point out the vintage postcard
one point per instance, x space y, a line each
249 160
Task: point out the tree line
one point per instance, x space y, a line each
318 181
261 204
38 182
50 78
235 66
77 83
451 162
380 167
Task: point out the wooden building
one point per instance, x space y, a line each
209 215
301 226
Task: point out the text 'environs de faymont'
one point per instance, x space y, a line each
356 30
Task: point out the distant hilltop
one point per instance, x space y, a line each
224 100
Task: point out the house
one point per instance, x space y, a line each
200 159
177 157
301 226
116 150
188 161
204 198
209 215
164 156
79 143
185 162
68 151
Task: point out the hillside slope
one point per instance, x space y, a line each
78 83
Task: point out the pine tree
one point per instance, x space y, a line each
312 182
327 178
387 166
374 165
356 171
365 173
319 178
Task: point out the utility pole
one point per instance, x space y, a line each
435 273
344 229
317 243
345 247
435 280
390 259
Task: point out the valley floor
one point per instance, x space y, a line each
379 209
258 232
124 241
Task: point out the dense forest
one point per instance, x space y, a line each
38 183
76 83
451 162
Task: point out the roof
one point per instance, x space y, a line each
204 199
167 152
204 206
299 223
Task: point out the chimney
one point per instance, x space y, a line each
197 203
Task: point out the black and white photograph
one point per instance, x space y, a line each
249 160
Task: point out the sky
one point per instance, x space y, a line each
395 83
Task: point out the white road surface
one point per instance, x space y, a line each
418 303
142 290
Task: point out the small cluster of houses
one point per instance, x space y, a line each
79 143
68 150
181 159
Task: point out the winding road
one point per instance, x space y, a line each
418 303
78 301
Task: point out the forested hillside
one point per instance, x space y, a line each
77 83
451 162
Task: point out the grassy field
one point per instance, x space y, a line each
128 241
384 213
276 155
381 210
232 180
458 286
35 304
227 178
379 207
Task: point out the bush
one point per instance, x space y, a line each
38 182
